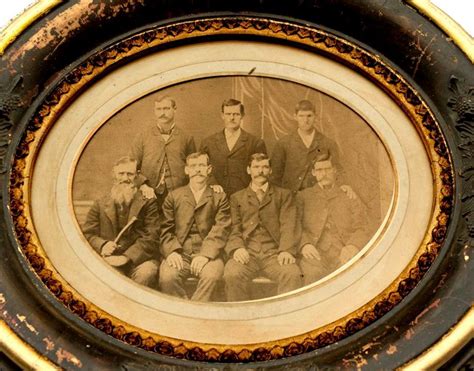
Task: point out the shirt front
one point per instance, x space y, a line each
256 189
165 134
306 138
197 193
231 137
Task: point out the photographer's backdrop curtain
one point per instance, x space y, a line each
269 106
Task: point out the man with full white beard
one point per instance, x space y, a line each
123 226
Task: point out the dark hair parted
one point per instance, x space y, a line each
161 98
259 157
233 102
196 155
304 105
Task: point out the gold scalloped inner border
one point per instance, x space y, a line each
319 41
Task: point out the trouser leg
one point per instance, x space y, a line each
208 279
314 269
288 277
146 273
171 279
237 277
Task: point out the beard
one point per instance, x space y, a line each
123 193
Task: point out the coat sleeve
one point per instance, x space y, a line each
136 152
303 236
336 160
359 236
236 240
260 147
91 228
147 243
216 239
278 159
205 149
190 146
287 219
169 241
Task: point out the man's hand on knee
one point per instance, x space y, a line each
310 252
241 255
197 264
285 258
175 260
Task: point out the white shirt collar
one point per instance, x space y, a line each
306 138
255 188
197 193
232 134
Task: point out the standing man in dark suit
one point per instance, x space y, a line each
229 150
195 229
334 226
263 240
126 226
161 152
294 154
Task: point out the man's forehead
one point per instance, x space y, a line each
126 166
261 162
235 108
202 158
305 112
166 102
323 164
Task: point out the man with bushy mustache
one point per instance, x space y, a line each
161 152
123 226
194 231
334 225
263 239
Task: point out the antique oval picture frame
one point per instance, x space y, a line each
133 194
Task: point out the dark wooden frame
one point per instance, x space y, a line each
395 32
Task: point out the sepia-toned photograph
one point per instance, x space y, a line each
230 189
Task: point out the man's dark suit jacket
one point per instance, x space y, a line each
276 213
149 149
292 161
318 207
140 242
230 167
211 214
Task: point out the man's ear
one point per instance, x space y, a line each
248 170
186 170
210 168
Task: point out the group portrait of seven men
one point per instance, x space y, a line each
228 212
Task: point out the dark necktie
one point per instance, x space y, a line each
260 194
165 132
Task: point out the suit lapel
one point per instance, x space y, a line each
241 142
252 197
267 198
173 136
111 213
136 205
221 143
205 197
189 197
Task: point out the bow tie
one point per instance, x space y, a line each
165 132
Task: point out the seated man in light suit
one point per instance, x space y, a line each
334 226
124 227
195 228
262 240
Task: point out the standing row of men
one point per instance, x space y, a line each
263 231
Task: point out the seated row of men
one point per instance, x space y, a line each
265 230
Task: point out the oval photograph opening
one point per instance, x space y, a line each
232 189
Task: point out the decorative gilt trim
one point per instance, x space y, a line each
445 348
19 24
21 352
447 24
365 63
